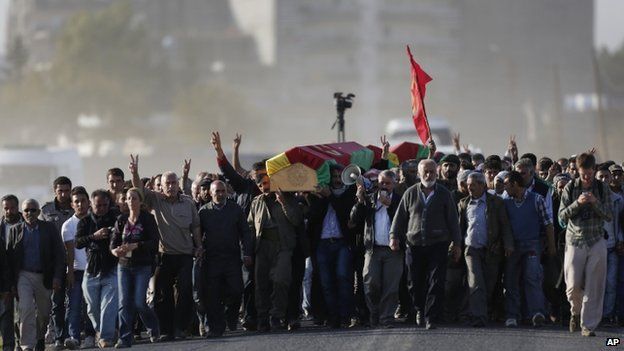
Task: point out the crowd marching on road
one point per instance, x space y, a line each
448 239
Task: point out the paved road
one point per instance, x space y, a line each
401 338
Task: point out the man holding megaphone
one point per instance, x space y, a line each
383 262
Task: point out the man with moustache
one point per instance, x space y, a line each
273 218
449 166
426 222
58 211
37 260
332 243
487 236
383 260
224 231
180 242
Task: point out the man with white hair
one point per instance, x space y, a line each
426 221
37 259
180 241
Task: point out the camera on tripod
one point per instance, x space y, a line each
343 102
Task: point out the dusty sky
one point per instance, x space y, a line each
609 29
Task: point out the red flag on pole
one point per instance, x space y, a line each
419 81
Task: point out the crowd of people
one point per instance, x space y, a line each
455 238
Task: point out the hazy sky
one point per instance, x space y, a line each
609 29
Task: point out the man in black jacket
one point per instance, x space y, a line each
11 216
383 263
224 228
332 241
37 260
246 189
100 278
426 220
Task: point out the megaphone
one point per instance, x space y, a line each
350 174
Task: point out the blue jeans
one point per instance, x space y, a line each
335 265
133 283
74 315
611 285
100 292
526 259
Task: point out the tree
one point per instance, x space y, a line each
101 67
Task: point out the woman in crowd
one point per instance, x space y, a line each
135 242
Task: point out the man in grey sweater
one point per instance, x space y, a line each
426 221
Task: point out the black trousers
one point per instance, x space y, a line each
428 273
249 297
295 294
361 309
222 281
174 293
57 315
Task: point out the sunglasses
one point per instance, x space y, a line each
31 210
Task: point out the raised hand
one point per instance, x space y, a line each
134 164
216 144
385 147
187 167
237 140
456 144
215 140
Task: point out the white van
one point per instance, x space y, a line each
402 129
28 171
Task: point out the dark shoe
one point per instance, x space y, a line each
538 320
575 323
213 335
249 325
410 318
121 345
354 323
294 325
374 321
400 313
587 332
334 323
478 323
264 327
232 324
166 338
58 345
180 335
429 325
40 345
389 325
277 324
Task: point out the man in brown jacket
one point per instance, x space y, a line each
273 217
487 237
